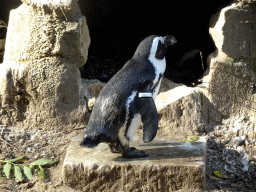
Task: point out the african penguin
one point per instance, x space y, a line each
128 99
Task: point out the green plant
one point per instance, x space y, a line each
12 165
191 139
218 175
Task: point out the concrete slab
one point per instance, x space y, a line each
172 165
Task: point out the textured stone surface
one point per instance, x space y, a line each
231 85
232 68
167 85
40 79
171 165
233 31
183 110
52 3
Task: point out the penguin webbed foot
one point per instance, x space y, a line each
116 148
132 152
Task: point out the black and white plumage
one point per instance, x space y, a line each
119 110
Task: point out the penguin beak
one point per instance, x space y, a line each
169 40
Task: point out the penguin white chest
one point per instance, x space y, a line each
127 132
135 123
159 66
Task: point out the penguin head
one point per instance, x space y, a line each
154 46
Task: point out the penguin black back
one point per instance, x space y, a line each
119 109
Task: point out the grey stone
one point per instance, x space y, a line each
171 165
237 141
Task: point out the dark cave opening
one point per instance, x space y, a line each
117 27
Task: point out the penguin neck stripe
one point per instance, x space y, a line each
159 65
145 95
154 47
152 56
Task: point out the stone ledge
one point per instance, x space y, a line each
172 165
51 3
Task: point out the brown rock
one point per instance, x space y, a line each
233 31
182 110
167 85
40 75
51 3
172 165
232 73
245 2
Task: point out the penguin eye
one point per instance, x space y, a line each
162 40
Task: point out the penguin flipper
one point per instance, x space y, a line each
149 117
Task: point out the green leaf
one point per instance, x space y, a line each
42 162
17 172
28 172
220 175
191 139
214 178
15 160
41 173
7 169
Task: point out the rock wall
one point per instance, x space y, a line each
232 75
3 29
47 42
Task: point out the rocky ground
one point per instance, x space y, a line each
233 156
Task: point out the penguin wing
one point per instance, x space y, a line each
147 109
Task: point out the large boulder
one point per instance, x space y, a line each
47 42
232 67
185 111
233 32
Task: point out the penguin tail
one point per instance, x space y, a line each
90 142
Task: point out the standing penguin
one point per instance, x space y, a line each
128 99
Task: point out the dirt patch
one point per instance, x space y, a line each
35 144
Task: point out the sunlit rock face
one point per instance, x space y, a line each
233 31
232 67
40 79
